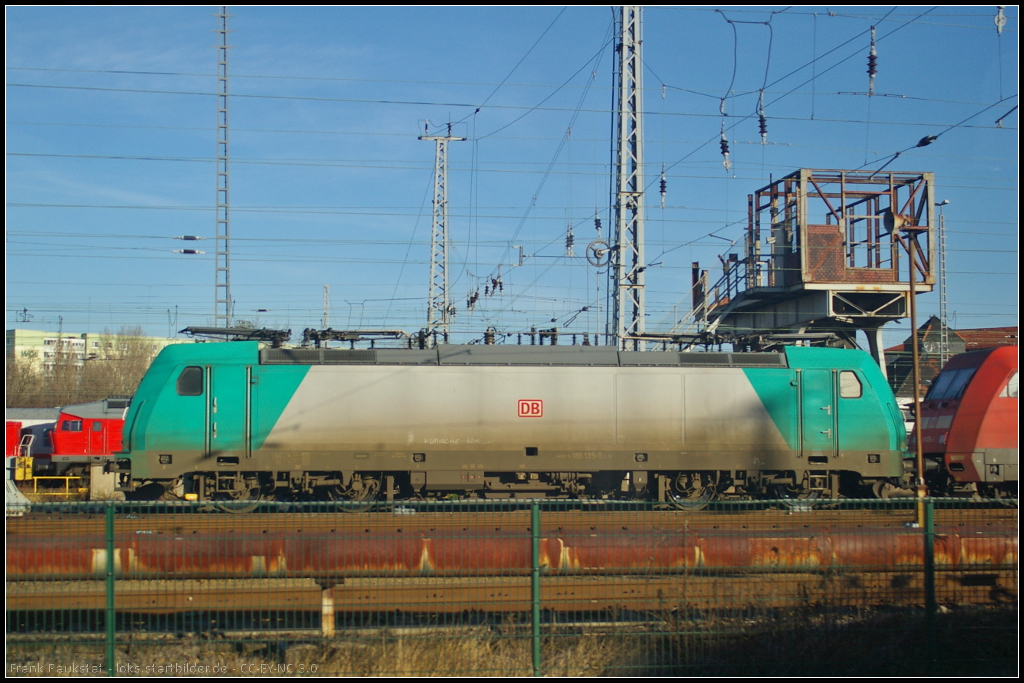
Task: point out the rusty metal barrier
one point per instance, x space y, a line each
511 587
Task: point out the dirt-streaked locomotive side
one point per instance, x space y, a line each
229 420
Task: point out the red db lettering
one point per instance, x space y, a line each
531 408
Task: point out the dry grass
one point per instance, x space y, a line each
970 642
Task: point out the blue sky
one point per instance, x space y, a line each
111 137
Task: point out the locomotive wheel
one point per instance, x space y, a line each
241 501
691 491
245 500
1007 497
794 498
884 490
360 497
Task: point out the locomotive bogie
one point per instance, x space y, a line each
233 422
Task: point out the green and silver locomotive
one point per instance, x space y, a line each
234 421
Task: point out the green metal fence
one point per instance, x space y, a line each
492 588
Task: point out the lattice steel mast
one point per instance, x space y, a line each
628 189
439 306
222 259
943 320
325 322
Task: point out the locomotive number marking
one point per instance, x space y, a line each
529 407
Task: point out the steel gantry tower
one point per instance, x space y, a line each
628 187
222 258
439 307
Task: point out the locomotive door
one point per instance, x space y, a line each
228 410
817 413
97 438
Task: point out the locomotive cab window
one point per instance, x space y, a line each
849 385
71 426
97 426
950 384
190 381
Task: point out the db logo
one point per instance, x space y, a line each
531 408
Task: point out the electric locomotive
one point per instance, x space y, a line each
233 421
969 424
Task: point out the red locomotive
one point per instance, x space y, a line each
969 424
85 434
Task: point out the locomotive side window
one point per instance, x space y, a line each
849 385
190 381
71 426
97 426
1010 390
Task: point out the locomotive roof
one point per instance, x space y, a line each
106 409
33 414
976 358
456 354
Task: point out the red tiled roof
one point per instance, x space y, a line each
988 337
979 338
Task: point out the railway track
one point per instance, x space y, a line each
411 520
513 594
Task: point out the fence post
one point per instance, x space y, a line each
535 584
111 616
929 582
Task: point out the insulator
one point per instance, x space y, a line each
724 143
597 225
872 64
762 121
664 186
927 140
1000 20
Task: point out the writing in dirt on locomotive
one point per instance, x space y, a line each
232 421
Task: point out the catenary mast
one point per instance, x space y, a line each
439 306
222 258
628 187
